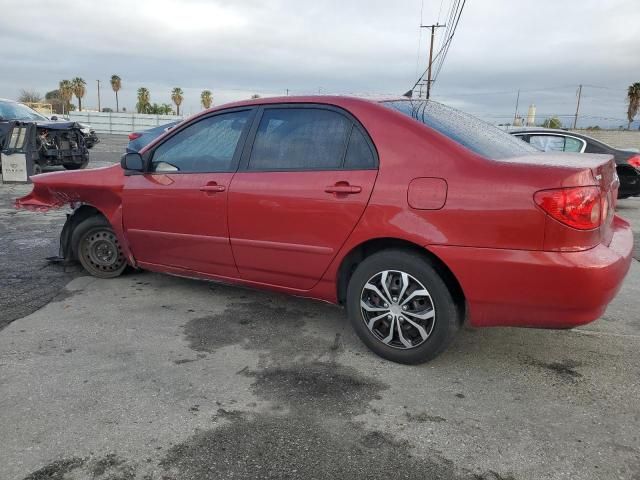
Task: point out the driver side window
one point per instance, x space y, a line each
205 146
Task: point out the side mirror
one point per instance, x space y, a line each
54 118
132 162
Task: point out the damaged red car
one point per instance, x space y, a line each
412 215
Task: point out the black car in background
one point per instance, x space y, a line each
552 140
46 142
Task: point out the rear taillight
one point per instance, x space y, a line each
578 207
634 161
134 135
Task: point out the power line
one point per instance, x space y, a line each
420 38
453 19
449 40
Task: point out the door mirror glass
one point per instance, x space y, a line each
132 162
54 118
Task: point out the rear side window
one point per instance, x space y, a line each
548 143
205 146
359 154
470 132
300 139
556 143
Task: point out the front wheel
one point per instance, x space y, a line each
401 308
97 248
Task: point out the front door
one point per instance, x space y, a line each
175 214
302 187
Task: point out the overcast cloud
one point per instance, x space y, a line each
543 47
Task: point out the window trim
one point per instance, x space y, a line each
354 123
147 157
553 134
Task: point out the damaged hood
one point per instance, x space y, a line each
99 187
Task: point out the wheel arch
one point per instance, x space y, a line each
74 219
365 249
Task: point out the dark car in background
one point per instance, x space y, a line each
552 140
45 142
137 140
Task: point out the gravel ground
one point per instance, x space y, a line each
154 377
29 281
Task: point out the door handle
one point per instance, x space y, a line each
212 188
343 188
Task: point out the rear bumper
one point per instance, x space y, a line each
540 289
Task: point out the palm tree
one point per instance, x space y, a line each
65 87
177 97
633 95
79 89
206 98
116 84
144 100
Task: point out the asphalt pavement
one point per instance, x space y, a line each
150 377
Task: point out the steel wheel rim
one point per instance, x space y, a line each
101 250
397 309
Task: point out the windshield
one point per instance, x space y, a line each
467 130
18 111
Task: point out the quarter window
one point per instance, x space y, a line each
300 139
359 155
572 145
206 146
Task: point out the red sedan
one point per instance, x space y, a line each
413 215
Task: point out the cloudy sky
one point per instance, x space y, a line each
545 48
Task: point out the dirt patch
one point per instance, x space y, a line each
65 294
317 386
109 467
253 325
263 326
296 447
565 369
423 417
56 470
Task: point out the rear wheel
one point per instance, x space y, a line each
97 248
401 308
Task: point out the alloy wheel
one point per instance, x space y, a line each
397 309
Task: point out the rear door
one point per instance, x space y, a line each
175 214
303 184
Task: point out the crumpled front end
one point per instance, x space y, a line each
99 187
88 192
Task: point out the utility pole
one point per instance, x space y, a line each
515 115
99 109
433 33
575 120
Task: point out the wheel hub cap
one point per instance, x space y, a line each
397 309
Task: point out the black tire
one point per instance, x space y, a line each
75 166
445 323
96 247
